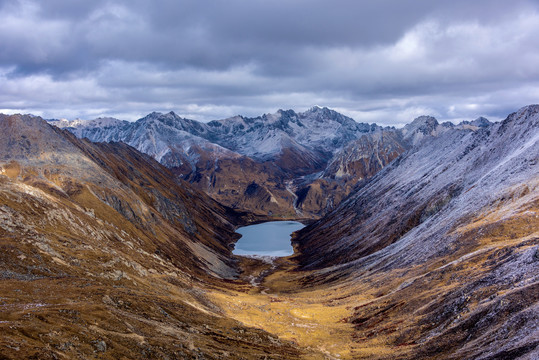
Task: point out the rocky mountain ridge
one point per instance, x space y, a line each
318 131
444 167
281 164
104 254
56 163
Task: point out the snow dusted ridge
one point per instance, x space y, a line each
446 237
426 126
165 137
78 125
415 201
282 154
302 142
318 130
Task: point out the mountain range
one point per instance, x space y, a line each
422 242
285 164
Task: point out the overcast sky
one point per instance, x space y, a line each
384 61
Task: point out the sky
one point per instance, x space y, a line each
383 61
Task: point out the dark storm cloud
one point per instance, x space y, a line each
384 61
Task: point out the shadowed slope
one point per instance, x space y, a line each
358 161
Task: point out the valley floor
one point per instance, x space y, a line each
273 299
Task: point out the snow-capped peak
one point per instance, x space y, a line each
101 122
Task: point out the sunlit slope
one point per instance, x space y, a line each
104 254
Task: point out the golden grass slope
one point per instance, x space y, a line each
104 255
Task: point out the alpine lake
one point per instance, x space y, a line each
267 239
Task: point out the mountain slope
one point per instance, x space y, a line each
104 254
424 181
319 132
221 173
359 160
301 164
56 161
315 134
363 158
442 245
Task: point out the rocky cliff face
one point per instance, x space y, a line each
349 167
363 158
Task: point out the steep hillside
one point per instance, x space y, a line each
105 255
57 162
243 184
431 178
439 250
363 158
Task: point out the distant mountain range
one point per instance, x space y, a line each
286 164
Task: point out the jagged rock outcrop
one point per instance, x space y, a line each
359 160
363 158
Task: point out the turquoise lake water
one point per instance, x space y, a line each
267 239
